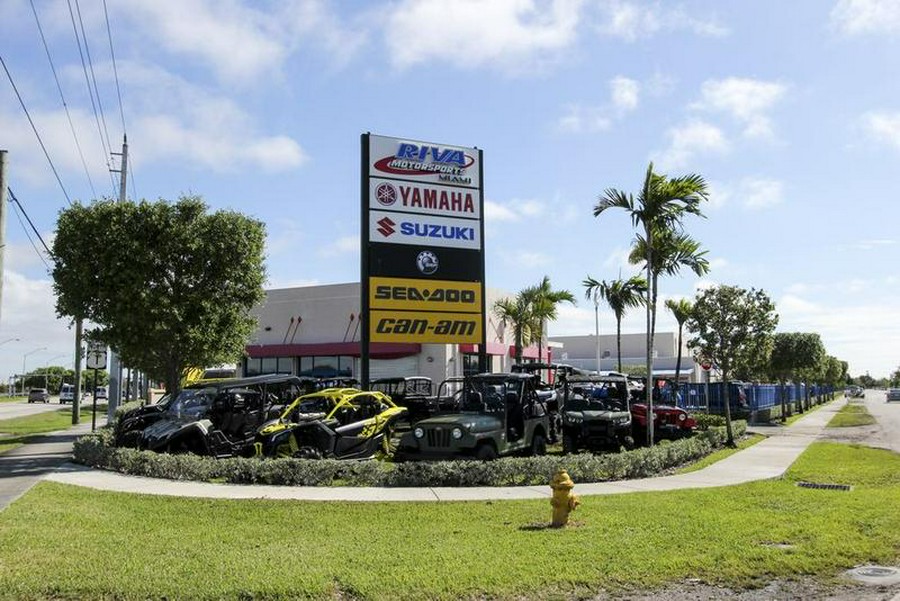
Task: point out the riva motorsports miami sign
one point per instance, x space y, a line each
422 242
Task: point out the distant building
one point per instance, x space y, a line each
581 352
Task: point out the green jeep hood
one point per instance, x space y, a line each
600 416
473 422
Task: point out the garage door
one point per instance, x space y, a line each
394 368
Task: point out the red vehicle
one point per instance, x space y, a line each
669 422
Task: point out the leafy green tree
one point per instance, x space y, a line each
809 352
544 300
728 322
657 210
620 295
516 312
168 284
681 309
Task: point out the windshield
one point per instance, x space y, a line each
605 396
192 402
489 395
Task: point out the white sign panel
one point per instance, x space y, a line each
416 161
96 356
428 199
424 230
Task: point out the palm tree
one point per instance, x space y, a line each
682 310
659 207
619 295
516 312
543 301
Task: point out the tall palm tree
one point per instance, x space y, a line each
659 207
516 312
620 295
543 301
682 310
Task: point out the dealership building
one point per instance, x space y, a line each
316 331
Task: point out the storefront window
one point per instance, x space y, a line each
470 364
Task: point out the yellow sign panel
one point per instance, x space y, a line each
438 328
406 294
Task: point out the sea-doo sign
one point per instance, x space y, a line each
423 162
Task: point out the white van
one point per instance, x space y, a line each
67 394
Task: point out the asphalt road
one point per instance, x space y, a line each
24 408
888 416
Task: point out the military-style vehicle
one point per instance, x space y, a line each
498 414
595 413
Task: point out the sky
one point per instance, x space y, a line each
790 111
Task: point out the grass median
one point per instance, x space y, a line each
149 546
16 431
851 415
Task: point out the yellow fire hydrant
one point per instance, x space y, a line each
564 501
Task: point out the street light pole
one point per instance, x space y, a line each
597 326
43 348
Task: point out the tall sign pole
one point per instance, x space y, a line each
115 366
3 186
422 259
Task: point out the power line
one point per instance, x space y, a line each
34 128
62 97
115 69
106 149
21 211
87 51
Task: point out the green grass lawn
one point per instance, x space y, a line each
12 399
15 432
65 542
852 415
790 420
721 454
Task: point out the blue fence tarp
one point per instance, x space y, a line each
742 397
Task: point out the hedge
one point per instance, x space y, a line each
97 450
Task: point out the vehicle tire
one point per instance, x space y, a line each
308 453
485 452
538 445
628 443
388 446
568 444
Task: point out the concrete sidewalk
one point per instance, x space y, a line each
767 459
25 466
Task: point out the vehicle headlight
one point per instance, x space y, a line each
681 417
456 433
573 419
624 420
419 433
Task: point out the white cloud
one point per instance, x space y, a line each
584 119
746 100
631 21
760 193
873 244
514 210
625 93
858 17
865 331
345 245
494 212
719 194
513 35
883 127
689 140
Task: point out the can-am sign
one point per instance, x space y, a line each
421 161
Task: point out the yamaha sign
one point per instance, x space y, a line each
422 242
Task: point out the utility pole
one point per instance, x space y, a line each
3 154
115 365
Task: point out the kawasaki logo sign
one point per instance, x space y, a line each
402 228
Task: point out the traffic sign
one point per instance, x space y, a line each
706 364
96 355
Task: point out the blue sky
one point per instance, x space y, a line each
791 111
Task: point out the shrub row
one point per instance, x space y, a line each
97 450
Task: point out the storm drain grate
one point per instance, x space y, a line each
821 486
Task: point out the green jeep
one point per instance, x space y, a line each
595 413
499 414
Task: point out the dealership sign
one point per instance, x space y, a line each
423 235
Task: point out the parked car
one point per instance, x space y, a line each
893 394
67 393
595 413
855 392
219 418
38 395
499 414
100 393
359 426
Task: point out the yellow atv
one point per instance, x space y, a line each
336 423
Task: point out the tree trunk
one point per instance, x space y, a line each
783 401
619 341
678 367
728 431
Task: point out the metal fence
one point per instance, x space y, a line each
743 396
